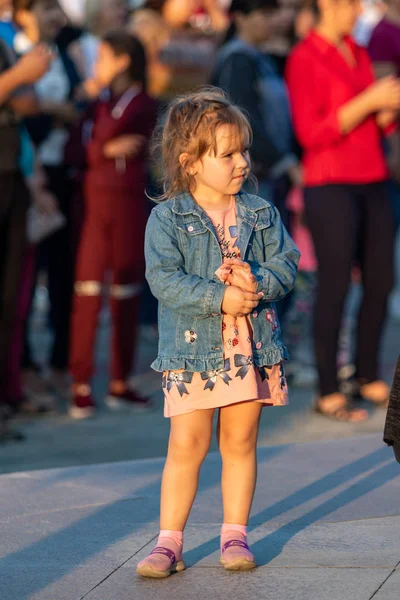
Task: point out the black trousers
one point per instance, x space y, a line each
350 223
14 202
56 256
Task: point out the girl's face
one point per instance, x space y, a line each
50 19
109 65
113 14
256 27
342 13
224 172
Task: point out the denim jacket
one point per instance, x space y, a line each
182 255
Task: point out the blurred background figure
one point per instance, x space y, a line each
100 17
41 21
384 49
115 220
372 13
305 19
74 11
384 43
348 208
252 80
279 43
180 43
16 100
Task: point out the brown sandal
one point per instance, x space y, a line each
342 410
376 393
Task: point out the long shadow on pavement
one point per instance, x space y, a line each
272 545
90 536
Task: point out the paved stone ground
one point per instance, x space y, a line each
325 526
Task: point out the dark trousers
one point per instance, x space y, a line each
56 256
350 223
14 202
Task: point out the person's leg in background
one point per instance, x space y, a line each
377 268
394 189
16 393
128 267
60 268
331 214
14 202
92 261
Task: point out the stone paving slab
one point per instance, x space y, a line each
366 543
263 584
323 513
391 587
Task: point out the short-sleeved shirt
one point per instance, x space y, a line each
9 122
384 45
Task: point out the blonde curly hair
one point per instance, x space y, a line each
189 127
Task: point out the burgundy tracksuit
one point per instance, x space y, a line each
113 236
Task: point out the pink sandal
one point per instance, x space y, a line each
161 563
236 554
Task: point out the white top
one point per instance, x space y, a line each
75 10
367 22
53 87
90 48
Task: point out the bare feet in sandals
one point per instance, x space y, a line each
337 407
377 392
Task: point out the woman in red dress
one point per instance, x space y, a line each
339 115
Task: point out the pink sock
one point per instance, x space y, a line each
228 527
168 541
176 536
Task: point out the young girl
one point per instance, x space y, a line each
217 260
115 220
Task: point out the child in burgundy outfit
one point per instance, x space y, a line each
115 219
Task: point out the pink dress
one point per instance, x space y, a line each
239 380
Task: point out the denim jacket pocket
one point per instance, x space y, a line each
191 227
263 219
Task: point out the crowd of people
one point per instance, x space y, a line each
82 86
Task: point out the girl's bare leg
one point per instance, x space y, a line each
189 442
237 435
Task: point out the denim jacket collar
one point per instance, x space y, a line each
248 209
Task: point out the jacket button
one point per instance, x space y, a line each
255 314
259 345
190 228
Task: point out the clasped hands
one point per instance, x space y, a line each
240 297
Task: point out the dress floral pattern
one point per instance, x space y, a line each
239 380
